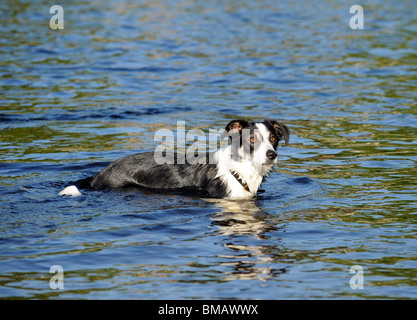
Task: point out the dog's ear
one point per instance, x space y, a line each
282 131
234 126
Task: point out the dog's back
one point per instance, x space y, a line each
140 170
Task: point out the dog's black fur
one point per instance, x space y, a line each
141 171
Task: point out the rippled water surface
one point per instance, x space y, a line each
343 193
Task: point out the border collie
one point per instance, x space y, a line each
237 173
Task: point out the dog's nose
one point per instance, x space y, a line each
271 155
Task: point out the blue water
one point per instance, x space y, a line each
343 193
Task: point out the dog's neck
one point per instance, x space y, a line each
245 185
242 176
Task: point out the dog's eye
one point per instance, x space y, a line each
252 140
272 138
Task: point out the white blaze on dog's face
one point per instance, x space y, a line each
264 152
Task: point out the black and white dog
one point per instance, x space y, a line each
237 173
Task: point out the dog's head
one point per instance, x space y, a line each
256 141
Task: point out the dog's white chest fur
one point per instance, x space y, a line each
250 174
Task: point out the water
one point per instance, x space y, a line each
343 194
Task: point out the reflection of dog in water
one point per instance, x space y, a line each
251 251
238 171
240 218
